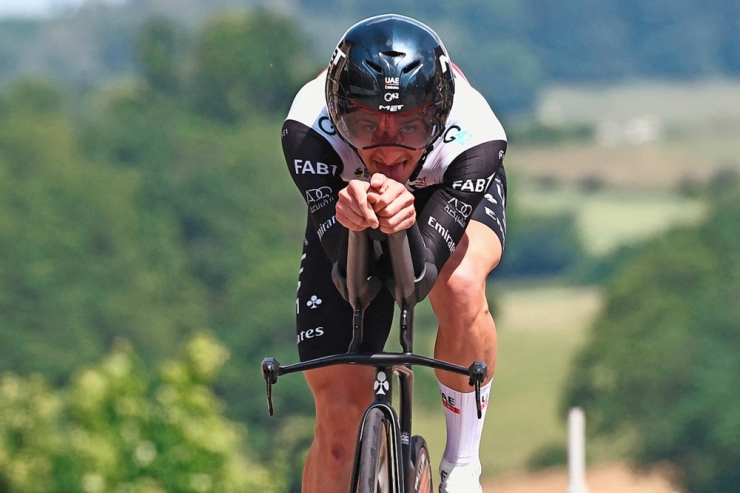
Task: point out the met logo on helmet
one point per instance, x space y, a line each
444 63
337 55
391 107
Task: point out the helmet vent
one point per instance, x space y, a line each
374 66
393 53
411 66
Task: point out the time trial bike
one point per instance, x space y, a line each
388 459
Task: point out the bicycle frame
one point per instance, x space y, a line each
361 289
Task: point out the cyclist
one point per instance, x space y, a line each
392 134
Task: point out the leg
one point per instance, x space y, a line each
466 333
341 394
466 328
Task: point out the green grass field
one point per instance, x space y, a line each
610 218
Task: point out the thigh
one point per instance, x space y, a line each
324 318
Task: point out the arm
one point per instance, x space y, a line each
316 170
445 216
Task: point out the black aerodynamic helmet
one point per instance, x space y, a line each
390 83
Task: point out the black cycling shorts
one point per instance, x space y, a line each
324 318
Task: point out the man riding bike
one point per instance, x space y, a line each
392 134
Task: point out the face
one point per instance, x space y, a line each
369 128
394 162
386 132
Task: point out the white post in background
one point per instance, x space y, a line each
576 451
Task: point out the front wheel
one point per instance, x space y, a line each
422 465
374 475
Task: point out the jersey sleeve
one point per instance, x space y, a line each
316 169
445 216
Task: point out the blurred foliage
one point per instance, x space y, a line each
549 455
509 49
540 246
130 212
234 79
662 361
82 260
116 428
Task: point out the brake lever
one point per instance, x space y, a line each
478 373
270 372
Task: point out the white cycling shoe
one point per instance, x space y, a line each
460 479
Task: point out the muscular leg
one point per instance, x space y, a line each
341 394
466 328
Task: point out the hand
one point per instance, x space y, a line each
392 203
354 210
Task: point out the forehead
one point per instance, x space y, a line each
376 116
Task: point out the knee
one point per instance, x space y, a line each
341 399
460 294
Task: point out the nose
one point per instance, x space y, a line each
388 126
389 155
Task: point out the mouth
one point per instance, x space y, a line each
394 170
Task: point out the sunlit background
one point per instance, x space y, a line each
150 239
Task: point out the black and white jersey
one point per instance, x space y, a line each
465 163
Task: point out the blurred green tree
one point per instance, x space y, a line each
161 47
82 262
239 222
248 64
116 428
662 361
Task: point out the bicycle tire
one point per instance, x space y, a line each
422 465
374 461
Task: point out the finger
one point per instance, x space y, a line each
351 220
398 222
360 205
379 182
404 201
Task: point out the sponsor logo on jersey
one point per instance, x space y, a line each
479 185
314 302
458 210
324 227
318 198
420 182
443 232
456 134
308 168
326 126
310 334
